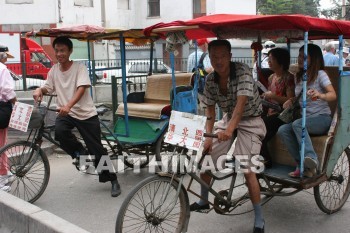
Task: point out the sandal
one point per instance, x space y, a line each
295 173
307 173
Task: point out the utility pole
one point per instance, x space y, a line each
343 10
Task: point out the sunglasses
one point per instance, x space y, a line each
270 46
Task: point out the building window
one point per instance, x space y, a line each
86 3
19 1
153 8
199 8
123 4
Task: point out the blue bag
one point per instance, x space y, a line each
185 99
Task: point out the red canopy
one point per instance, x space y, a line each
92 33
250 26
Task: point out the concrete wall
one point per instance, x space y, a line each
231 7
39 12
170 10
71 14
118 15
19 216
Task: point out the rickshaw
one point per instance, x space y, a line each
161 203
133 139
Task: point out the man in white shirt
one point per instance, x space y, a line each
70 81
202 48
191 65
330 59
268 45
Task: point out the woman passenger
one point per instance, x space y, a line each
318 114
280 89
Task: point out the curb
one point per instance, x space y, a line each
17 215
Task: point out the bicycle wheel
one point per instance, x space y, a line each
154 206
160 145
142 155
30 173
332 194
136 157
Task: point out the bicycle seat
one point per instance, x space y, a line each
102 110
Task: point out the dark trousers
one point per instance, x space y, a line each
90 131
272 124
5 114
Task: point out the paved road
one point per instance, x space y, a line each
80 199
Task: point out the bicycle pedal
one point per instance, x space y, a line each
75 163
205 211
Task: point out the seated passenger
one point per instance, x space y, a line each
318 114
280 89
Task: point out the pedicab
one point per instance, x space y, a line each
136 132
161 203
132 137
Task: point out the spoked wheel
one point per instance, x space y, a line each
166 160
28 169
135 157
332 194
154 206
159 148
81 168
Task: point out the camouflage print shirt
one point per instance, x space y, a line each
240 83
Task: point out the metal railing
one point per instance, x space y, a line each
102 71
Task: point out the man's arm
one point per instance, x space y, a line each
210 113
235 119
63 111
38 93
207 65
13 101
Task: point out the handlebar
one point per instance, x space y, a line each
47 94
53 110
210 135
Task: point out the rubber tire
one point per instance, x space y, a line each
139 191
333 188
21 182
131 165
157 151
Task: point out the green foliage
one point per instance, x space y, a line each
272 7
336 11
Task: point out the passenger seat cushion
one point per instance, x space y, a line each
156 99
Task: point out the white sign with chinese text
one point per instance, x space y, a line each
20 116
186 130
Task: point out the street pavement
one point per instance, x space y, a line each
82 200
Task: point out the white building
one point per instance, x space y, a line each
27 15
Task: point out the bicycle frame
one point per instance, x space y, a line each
37 135
233 203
